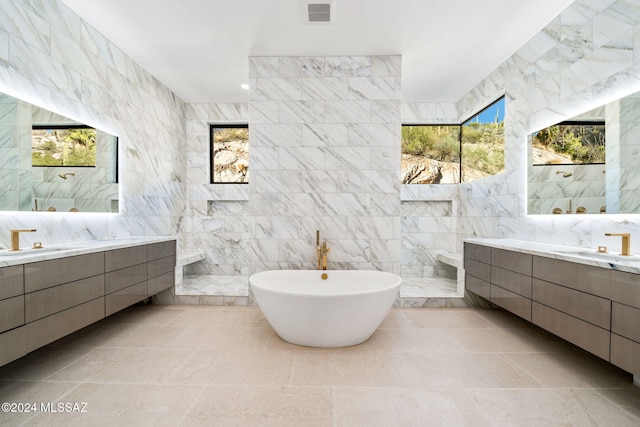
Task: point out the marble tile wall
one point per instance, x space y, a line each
589 55
216 220
325 155
222 219
52 58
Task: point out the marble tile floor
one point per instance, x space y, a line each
177 365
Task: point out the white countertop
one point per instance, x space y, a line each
53 251
611 260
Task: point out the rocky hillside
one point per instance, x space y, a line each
230 162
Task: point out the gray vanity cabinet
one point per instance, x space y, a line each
625 321
133 274
62 296
161 267
511 281
43 301
573 301
125 277
477 267
11 298
502 277
595 308
12 331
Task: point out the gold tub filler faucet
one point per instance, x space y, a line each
321 252
15 239
626 242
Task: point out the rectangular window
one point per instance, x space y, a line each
63 146
229 153
482 143
450 154
430 154
570 143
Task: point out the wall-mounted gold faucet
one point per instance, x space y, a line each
65 175
626 242
15 239
321 252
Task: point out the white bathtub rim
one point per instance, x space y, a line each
273 287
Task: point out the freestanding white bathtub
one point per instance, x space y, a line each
343 310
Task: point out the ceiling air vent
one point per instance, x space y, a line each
319 12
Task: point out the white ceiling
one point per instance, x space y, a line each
200 48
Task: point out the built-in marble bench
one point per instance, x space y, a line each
234 289
189 258
208 289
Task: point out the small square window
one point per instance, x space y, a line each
229 153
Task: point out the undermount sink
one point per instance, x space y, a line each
36 251
604 256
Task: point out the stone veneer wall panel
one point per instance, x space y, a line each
52 58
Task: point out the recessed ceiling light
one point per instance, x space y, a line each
244 86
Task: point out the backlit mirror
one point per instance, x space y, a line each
586 164
53 163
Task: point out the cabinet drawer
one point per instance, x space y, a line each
585 278
478 269
512 261
514 282
125 257
625 288
45 331
125 297
161 266
589 308
45 274
477 252
625 321
581 333
517 304
120 279
11 281
477 286
161 250
625 354
12 345
52 300
11 313
160 283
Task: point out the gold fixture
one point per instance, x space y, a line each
74 210
626 242
602 249
564 174
581 210
51 209
65 175
557 211
603 209
570 206
324 276
15 239
321 252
